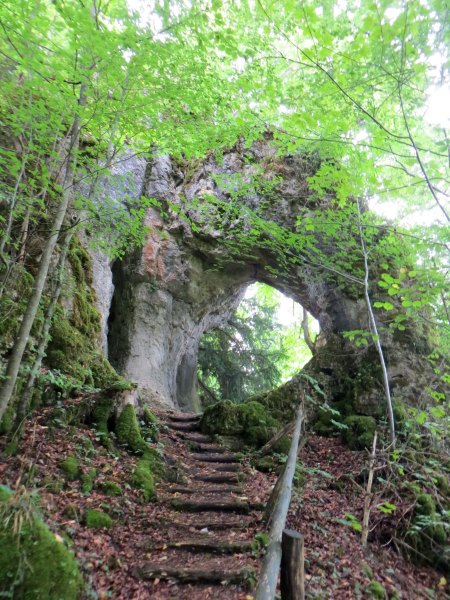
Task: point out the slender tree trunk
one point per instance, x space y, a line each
48 319
21 342
368 494
374 330
24 235
307 333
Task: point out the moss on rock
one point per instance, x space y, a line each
128 431
142 479
427 535
150 429
34 564
71 467
96 519
359 432
249 420
221 418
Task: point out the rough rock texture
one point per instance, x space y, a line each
186 280
123 183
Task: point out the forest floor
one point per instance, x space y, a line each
145 535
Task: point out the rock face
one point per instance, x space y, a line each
192 272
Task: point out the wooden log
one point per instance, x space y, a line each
212 448
226 467
186 426
185 418
197 438
219 478
268 578
273 498
210 525
292 570
223 489
215 457
213 546
211 505
192 575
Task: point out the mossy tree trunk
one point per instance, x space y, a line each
40 352
22 338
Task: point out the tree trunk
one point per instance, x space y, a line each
368 494
40 352
307 333
21 342
374 330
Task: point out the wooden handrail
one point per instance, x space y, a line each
268 577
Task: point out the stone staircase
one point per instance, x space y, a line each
211 523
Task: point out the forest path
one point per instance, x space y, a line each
210 525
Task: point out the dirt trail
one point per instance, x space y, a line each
199 540
211 522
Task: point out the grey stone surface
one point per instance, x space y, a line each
185 281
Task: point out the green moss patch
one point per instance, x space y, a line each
250 420
143 479
96 519
427 535
34 564
87 481
150 428
359 432
128 431
71 467
111 488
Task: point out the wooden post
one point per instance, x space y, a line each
292 572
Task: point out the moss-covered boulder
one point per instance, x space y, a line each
34 563
221 418
359 432
96 519
427 534
249 420
128 431
71 467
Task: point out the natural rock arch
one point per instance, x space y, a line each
184 282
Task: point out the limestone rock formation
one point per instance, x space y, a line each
196 264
